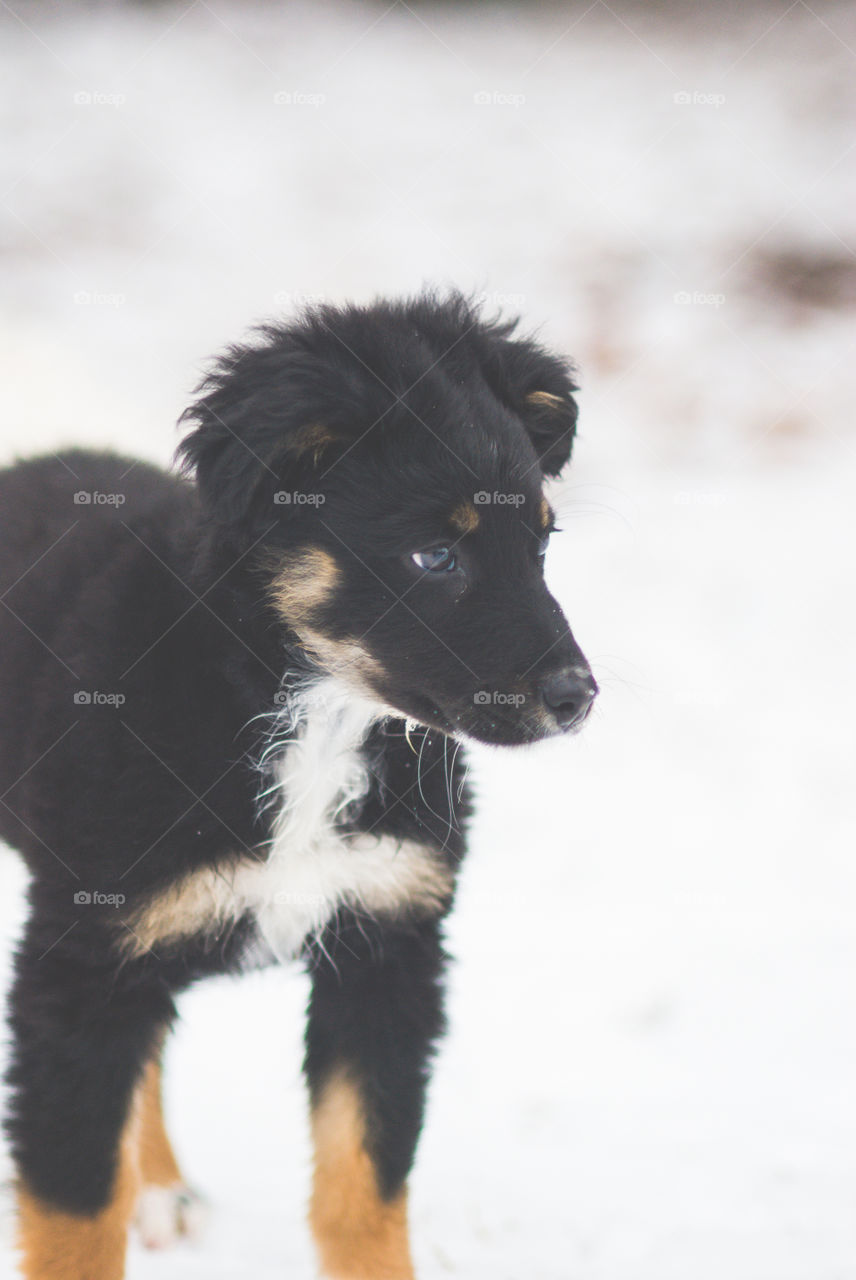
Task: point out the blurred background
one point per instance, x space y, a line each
650 1071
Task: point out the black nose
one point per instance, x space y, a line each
568 695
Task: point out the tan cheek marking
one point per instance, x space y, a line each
305 580
359 1236
545 399
62 1246
344 658
546 514
464 518
158 1165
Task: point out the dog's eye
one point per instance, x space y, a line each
435 560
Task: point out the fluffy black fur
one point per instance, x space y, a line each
391 417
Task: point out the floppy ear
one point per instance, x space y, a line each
255 438
551 422
538 387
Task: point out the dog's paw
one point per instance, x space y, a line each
168 1214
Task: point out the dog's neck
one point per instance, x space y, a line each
316 740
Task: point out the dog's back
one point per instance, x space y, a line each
68 521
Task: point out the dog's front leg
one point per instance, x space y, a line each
374 1015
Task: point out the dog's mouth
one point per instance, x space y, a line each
423 709
493 723
534 722
496 730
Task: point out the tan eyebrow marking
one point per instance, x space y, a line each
545 398
465 518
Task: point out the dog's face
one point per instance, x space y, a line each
388 463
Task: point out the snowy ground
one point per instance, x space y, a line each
650 1073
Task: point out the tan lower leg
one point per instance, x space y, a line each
359 1235
158 1165
62 1246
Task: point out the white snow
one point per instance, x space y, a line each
650 1072
166 1214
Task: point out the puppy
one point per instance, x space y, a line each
231 705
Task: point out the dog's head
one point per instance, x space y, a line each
384 465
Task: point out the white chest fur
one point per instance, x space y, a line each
312 869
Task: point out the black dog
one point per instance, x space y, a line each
231 712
